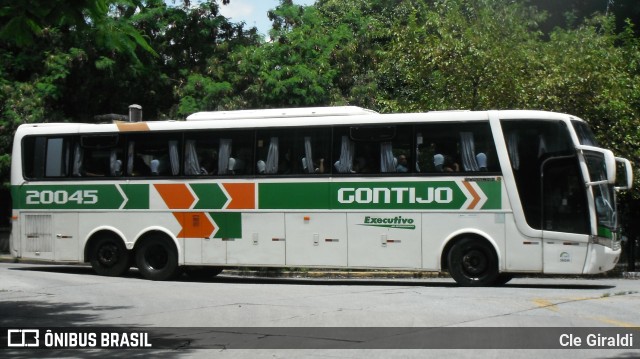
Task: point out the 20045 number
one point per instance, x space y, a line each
89 196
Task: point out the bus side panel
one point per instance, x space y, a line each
439 228
262 241
524 254
384 239
316 239
66 241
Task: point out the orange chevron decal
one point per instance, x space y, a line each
476 197
243 195
175 196
194 225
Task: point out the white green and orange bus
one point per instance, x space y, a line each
484 195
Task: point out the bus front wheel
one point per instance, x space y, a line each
473 263
109 256
157 259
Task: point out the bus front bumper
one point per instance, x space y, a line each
602 255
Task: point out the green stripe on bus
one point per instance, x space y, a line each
311 195
493 191
425 195
229 224
94 196
137 195
442 195
605 232
210 196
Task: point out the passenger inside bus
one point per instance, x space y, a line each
403 165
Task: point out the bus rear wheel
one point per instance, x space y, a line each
473 263
109 257
157 259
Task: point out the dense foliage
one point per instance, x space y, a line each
71 60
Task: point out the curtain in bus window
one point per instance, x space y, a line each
130 155
174 157
191 165
78 155
223 156
419 142
387 161
115 165
345 163
542 146
467 147
307 161
271 166
512 147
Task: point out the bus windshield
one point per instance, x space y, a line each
585 136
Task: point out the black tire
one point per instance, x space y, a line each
473 263
109 256
157 259
202 273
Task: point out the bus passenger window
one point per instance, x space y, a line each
157 155
287 151
235 153
313 159
373 149
97 156
46 157
455 147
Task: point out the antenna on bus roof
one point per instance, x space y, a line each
282 113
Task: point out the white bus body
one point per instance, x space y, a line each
484 195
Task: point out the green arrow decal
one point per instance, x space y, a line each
210 196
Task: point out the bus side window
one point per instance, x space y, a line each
373 149
97 156
200 155
157 155
33 152
235 153
446 148
46 157
313 159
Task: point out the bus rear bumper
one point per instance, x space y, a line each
601 258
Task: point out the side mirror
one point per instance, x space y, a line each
624 174
600 164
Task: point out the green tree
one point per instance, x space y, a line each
460 54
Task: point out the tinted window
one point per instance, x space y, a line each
292 151
446 148
46 157
153 154
98 156
372 150
545 147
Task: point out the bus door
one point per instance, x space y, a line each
551 189
565 215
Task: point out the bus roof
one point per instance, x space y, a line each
281 113
273 118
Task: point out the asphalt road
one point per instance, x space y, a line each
73 296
